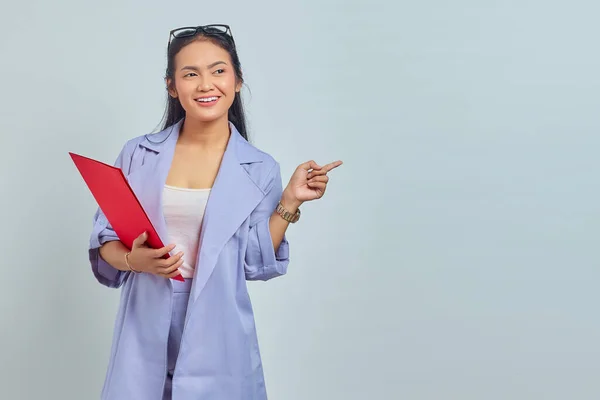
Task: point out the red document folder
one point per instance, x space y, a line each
118 202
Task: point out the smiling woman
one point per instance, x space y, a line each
220 202
198 59
199 80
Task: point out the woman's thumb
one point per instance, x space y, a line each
140 240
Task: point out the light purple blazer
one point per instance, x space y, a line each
219 357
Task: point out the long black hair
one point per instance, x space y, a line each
174 111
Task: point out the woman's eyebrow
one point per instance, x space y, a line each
193 68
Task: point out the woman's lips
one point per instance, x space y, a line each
207 101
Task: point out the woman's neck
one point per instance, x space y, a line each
206 135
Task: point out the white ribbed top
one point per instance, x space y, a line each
183 209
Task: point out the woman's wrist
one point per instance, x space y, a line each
289 201
113 253
128 263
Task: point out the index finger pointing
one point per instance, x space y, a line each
332 165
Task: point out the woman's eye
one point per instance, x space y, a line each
190 74
219 71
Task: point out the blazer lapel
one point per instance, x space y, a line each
233 197
153 174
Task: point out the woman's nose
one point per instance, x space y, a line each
205 84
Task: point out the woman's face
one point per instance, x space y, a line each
205 81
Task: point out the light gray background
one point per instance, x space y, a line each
454 255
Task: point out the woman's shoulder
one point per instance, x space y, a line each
133 142
261 166
253 153
151 140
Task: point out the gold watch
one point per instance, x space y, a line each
288 216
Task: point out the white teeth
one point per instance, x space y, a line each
206 100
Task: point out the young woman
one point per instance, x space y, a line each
220 202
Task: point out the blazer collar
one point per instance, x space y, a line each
244 151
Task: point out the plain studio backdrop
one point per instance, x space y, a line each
454 254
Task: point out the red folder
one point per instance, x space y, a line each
118 202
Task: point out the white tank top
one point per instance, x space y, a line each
184 210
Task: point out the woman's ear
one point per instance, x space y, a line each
238 86
171 88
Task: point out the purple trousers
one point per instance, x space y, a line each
181 294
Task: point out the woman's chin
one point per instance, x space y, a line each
205 116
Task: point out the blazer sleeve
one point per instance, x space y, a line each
102 232
261 260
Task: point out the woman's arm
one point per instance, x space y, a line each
278 225
308 182
267 253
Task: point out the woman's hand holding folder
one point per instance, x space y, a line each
145 259
142 258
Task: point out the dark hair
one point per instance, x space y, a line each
174 111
